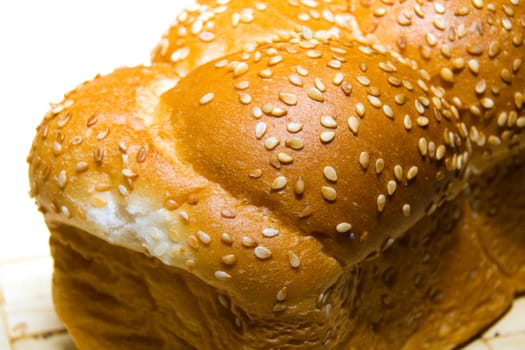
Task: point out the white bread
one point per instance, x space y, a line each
276 181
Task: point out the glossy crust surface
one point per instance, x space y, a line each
298 178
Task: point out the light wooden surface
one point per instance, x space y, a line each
47 48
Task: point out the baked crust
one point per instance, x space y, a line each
301 186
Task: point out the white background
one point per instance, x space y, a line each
47 47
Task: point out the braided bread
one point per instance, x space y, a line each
293 175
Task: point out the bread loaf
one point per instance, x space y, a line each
282 178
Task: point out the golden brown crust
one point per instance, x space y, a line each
132 189
370 155
474 50
214 28
267 179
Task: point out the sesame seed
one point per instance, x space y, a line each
76 140
364 160
289 99
295 143
519 99
240 69
360 109
281 294
381 201
440 152
206 36
248 242
319 85
480 87
374 101
299 186
487 103
439 23
314 54
207 98
242 85
315 94
128 173
458 63
506 75
271 142
62 179
284 158
267 108
329 193
270 232
477 4
260 130
363 80
262 252
338 78
142 154
447 74
65 211
330 174
184 215
226 238
347 88
391 187
407 122
302 71
63 120
335 64
422 146
294 259
353 124
81 166
122 147
102 134
396 82
520 122
474 66
294 127
422 121
380 165
265 73
412 172
97 202
295 79
255 174
229 259
380 12
279 183
327 136
192 242
245 98
278 112
406 209
274 60
494 140
222 275
204 237
507 24
227 213
328 121
343 227
387 110
398 172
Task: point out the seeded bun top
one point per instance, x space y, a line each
272 149
338 140
472 49
212 29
